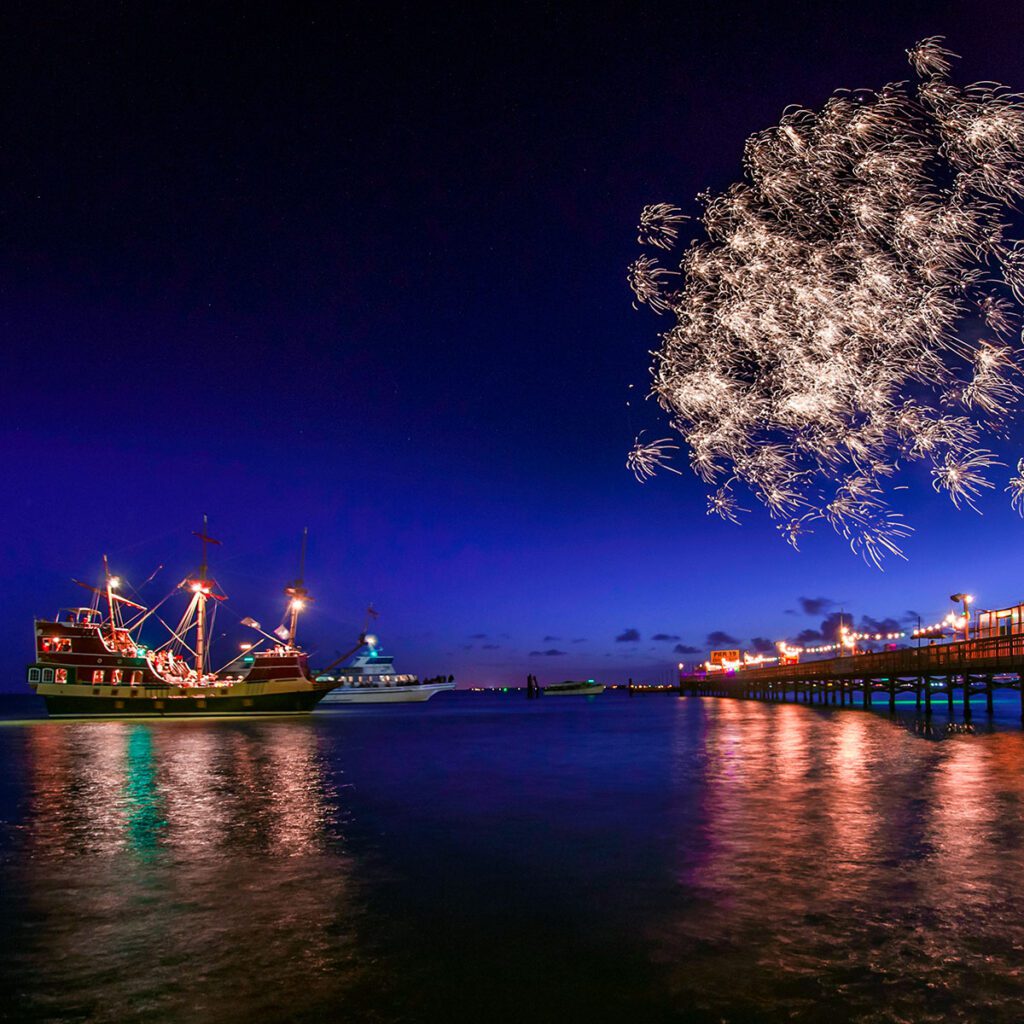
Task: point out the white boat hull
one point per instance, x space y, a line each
383 694
577 691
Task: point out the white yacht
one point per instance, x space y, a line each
371 679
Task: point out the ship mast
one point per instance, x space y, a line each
109 584
297 592
202 588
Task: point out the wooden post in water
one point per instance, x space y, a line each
967 696
927 683
892 695
988 694
949 695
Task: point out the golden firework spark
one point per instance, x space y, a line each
816 341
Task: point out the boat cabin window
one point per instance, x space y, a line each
97 675
117 675
56 644
136 677
61 675
47 675
33 675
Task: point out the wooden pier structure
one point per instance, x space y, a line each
974 667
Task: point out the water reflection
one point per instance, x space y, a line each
195 869
843 862
185 788
144 803
632 859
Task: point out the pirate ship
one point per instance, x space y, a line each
91 661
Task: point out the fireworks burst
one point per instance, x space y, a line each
816 341
646 458
1016 489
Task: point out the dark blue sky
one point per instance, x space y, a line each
364 269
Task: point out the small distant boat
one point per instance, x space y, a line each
572 687
371 679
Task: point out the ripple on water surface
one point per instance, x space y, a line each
611 858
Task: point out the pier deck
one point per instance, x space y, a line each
975 667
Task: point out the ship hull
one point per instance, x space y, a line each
62 702
383 694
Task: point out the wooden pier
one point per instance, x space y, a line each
974 667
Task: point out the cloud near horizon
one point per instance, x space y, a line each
628 636
816 605
546 654
664 637
828 631
685 649
719 638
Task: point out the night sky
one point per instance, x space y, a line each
363 269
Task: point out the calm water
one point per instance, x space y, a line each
488 858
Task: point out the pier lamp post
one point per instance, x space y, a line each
966 599
847 638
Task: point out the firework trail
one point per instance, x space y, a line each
646 458
816 345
